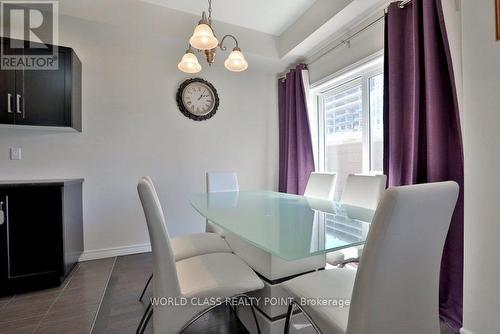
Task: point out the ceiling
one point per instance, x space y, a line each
269 16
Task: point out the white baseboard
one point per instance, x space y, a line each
115 251
464 331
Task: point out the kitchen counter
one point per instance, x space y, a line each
39 182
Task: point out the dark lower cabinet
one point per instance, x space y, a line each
41 233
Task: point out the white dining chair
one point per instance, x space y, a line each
396 287
220 182
321 185
216 275
363 191
187 246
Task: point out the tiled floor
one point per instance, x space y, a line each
121 311
70 308
99 297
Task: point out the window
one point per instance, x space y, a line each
377 123
349 114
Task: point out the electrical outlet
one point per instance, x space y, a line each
15 153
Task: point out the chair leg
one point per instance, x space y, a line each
143 322
253 311
198 316
202 313
255 318
289 318
342 264
146 287
150 314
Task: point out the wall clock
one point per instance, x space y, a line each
197 99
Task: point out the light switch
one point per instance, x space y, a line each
15 153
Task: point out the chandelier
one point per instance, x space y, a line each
204 40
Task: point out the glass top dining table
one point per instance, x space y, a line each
290 227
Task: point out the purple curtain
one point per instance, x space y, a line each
422 139
296 155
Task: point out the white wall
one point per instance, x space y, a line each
481 66
132 127
453 22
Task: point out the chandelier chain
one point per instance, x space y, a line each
210 11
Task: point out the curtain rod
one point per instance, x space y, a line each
403 3
347 41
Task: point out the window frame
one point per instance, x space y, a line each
358 73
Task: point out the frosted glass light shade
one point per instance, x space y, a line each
236 62
189 63
203 38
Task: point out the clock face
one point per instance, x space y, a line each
198 98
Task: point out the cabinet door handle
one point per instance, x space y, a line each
9 103
2 214
18 104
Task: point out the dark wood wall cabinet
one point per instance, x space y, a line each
44 98
41 233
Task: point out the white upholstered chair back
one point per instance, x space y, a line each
165 279
155 193
397 284
364 190
321 185
222 181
